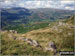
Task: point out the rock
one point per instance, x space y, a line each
29 41
32 42
35 43
51 47
13 31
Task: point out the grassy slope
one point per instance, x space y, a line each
63 36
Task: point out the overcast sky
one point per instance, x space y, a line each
33 4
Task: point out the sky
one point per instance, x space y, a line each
34 4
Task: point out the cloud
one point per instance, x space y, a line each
59 4
7 2
70 8
38 4
69 5
67 2
21 5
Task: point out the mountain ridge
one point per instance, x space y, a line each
14 16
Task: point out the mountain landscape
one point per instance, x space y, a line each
61 32
37 27
40 25
22 17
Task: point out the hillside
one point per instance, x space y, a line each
61 32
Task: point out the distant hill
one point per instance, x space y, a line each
13 14
18 15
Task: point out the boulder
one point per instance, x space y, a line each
51 47
13 31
